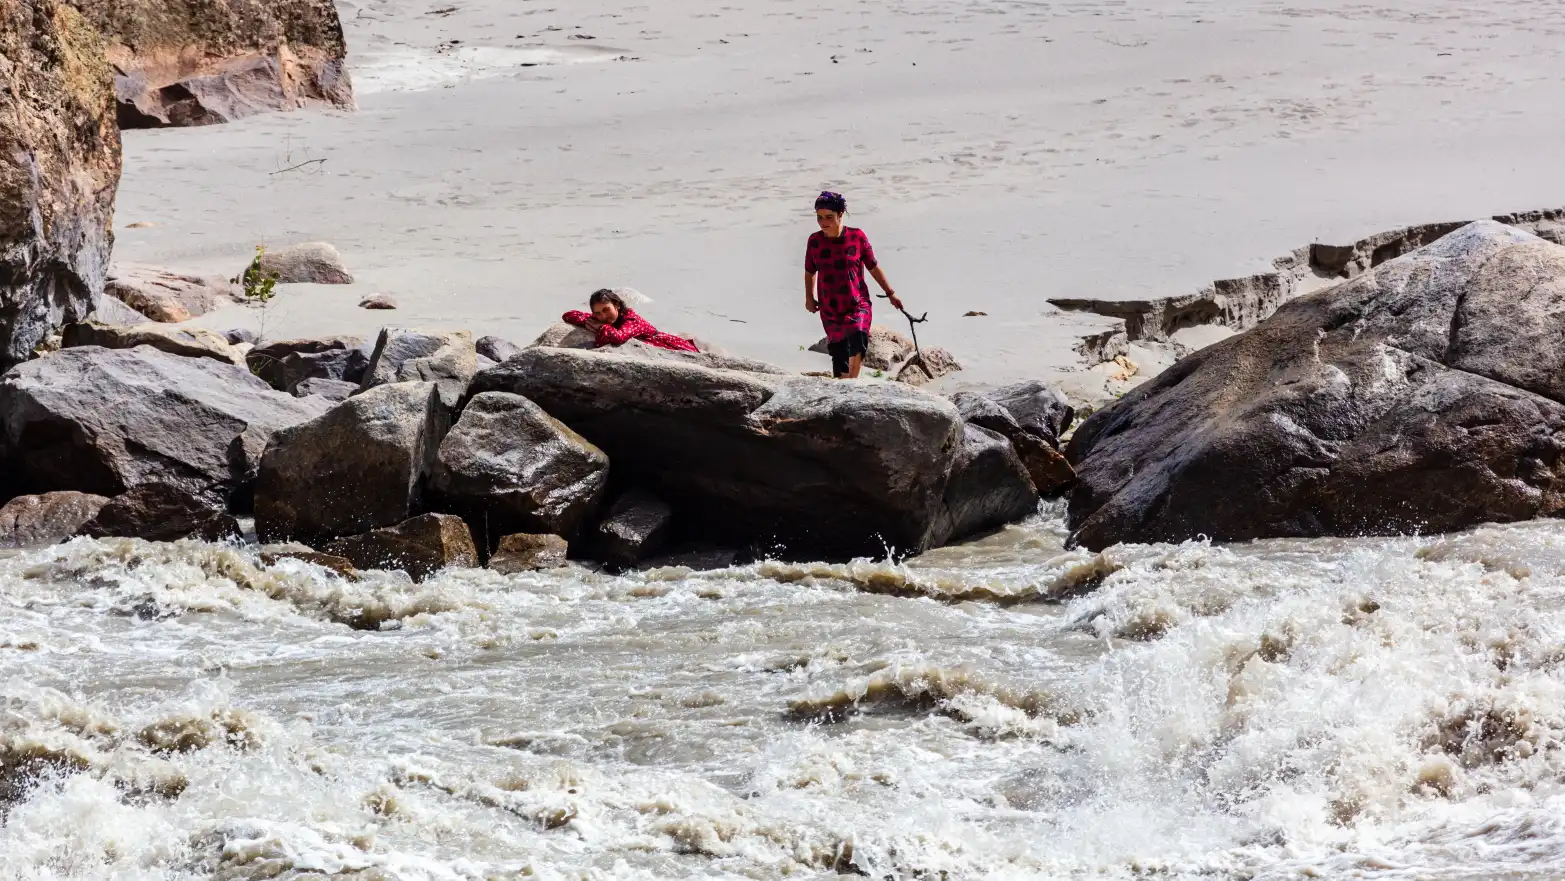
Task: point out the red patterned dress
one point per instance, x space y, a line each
631 327
839 265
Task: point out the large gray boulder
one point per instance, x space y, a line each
1425 395
807 466
104 420
59 166
508 467
359 466
284 364
447 358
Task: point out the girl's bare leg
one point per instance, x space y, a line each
854 365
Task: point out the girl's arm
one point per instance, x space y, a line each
580 319
880 278
631 327
809 293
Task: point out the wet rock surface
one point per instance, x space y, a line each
636 526
509 467
359 466
34 521
160 512
421 546
523 552
1424 395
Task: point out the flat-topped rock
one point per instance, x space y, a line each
169 296
187 342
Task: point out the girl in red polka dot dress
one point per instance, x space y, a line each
834 265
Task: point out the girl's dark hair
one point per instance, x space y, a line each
831 202
607 296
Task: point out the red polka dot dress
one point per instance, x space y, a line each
839 265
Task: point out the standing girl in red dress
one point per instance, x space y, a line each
834 264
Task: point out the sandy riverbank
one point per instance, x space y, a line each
998 153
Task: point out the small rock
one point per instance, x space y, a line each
34 521
1038 409
378 301
330 389
636 527
161 512
565 336
140 224
887 348
524 552
187 342
309 263
238 335
283 364
497 349
922 371
167 296
421 546
975 315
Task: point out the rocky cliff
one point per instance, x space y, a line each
59 166
199 62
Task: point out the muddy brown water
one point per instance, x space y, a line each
1005 709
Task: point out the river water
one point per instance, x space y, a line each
1007 709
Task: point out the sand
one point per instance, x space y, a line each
997 153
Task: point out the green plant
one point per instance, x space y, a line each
259 285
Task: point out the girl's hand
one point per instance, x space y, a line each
593 325
895 300
811 306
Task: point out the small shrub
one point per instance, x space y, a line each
259 285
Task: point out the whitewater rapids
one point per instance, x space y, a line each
1008 709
